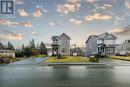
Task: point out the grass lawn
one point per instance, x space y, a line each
68 59
121 57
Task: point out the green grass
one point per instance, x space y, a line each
67 59
121 57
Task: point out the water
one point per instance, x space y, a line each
70 76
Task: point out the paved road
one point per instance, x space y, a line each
114 62
69 76
29 61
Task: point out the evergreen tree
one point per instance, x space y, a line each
10 46
43 49
1 46
32 44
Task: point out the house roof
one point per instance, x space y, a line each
90 37
101 36
64 35
105 36
57 37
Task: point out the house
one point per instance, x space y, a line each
7 53
124 48
76 52
61 45
104 43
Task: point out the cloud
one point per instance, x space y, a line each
35 33
11 35
37 13
42 8
127 4
97 16
26 24
23 13
77 22
117 30
19 2
70 6
106 6
52 23
123 32
5 22
91 1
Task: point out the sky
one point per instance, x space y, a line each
42 19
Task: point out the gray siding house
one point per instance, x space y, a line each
104 43
61 45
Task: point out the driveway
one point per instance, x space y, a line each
114 62
29 61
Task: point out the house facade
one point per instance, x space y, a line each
61 45
104 43
123 48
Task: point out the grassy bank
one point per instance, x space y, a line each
68 59
126 58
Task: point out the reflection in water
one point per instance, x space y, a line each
70 76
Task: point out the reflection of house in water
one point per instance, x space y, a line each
7 53
61 45
104 43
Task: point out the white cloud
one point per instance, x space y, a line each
70 6
97 16
91 1
35 33
106 6
52 23
14 36
37 13
19 2
75 21
23 13
25 24
127 3
117 30
5 22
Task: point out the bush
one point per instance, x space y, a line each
93 59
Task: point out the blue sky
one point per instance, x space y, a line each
41 19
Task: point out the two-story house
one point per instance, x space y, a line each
61 45
104 43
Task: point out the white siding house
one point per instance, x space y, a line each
104 43
123 48
61 45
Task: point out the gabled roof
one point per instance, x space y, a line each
57 37
90 37
105 35
101 36
64 35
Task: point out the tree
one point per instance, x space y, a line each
27 51
32 44
1 46
10 46
43 49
